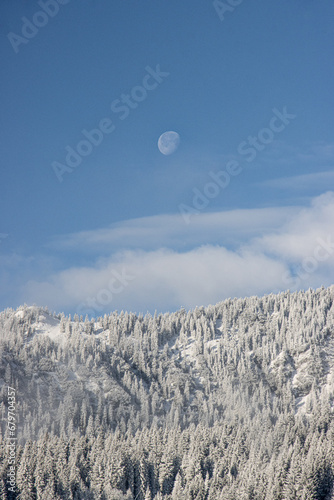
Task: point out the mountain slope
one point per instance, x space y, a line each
248 378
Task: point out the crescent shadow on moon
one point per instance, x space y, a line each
168 142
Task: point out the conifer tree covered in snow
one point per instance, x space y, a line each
233 401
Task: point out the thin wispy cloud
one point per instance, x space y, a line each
319 180
316 160
226 227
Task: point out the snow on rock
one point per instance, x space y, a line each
38 321
48 326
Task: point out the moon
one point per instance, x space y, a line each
168 142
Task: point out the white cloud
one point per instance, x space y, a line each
298 238
167 278
171 231
163 279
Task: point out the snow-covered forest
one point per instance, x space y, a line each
233 401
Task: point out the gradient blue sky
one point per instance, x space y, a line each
225 78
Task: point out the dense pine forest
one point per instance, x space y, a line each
233 401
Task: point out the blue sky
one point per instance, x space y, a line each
224 80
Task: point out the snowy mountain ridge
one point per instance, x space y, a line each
253 373
294 367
